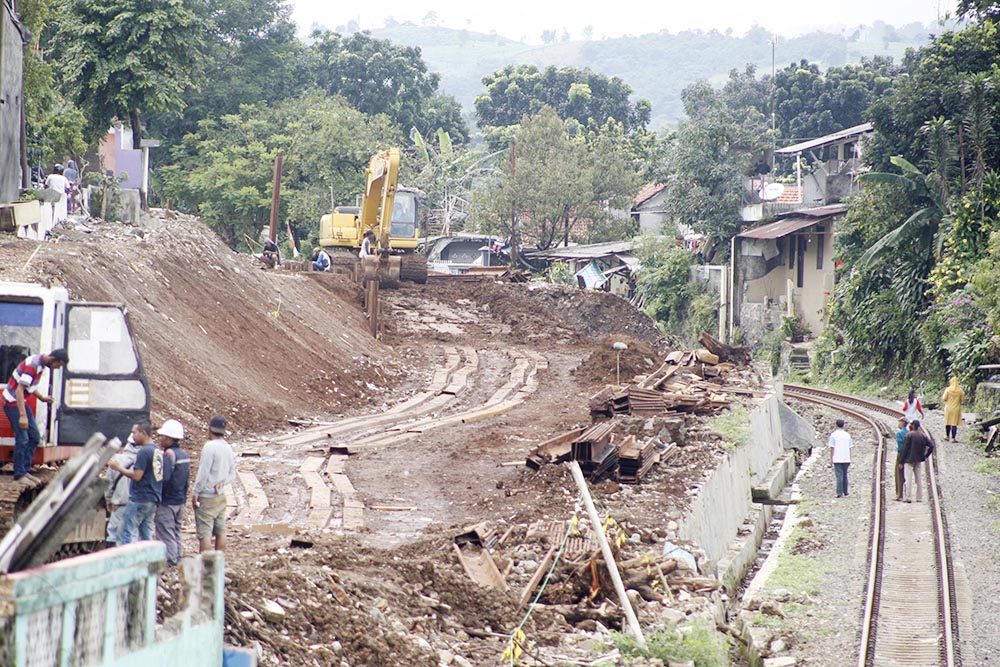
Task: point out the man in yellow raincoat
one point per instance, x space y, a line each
952 398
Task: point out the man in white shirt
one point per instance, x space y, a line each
56 181
366 245
216 469
840 444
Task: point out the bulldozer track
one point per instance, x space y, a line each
911 613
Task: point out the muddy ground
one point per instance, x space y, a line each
274 349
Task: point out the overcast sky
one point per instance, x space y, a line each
526 19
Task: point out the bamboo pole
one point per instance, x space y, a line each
609 558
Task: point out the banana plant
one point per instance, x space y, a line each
922 224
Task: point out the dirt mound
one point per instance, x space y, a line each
603 364
543 313
217 333
359 606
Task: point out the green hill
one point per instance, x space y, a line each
656 66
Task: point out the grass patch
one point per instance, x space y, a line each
733 426
698 642
798 573
988 467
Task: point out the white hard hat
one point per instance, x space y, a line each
172 429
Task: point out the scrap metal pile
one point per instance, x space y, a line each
686 382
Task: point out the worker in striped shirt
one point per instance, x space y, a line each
25 380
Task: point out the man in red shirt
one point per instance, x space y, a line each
24 380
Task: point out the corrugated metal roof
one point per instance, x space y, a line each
594 250
829 139
817 211
780 228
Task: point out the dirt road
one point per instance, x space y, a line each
351 534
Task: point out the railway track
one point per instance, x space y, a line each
910 613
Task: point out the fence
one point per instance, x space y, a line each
100 610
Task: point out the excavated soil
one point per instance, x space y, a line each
274 349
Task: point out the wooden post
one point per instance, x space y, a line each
371 306
609 558
275 195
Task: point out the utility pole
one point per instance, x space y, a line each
774 89
275 194
513 207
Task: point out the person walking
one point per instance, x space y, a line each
116 497
840 444
952 397
145 492
57 182
912 408
900 468
25 380
916 448
216 469
176 473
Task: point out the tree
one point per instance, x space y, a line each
224 170
921 225
54 127
979 9
585 96
929 86
123 58
545 184
379 77
253 55
708 157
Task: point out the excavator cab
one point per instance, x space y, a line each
102 389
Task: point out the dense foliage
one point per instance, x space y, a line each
917 293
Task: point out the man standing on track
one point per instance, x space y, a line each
840 444
916 448
900 467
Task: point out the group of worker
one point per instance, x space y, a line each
149 487
148 481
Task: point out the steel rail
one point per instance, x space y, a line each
950 652
877 540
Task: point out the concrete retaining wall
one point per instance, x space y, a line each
724 499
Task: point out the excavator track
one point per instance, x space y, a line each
15 499
413 268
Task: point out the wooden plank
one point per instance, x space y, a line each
542 570
354 518
479 565
256 498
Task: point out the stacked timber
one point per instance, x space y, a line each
554 450
635 460
596 452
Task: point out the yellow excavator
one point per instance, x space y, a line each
392 214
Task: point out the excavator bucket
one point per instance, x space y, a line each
385 269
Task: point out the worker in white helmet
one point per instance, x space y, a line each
176 473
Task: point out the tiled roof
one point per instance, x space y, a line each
648 191
791 195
